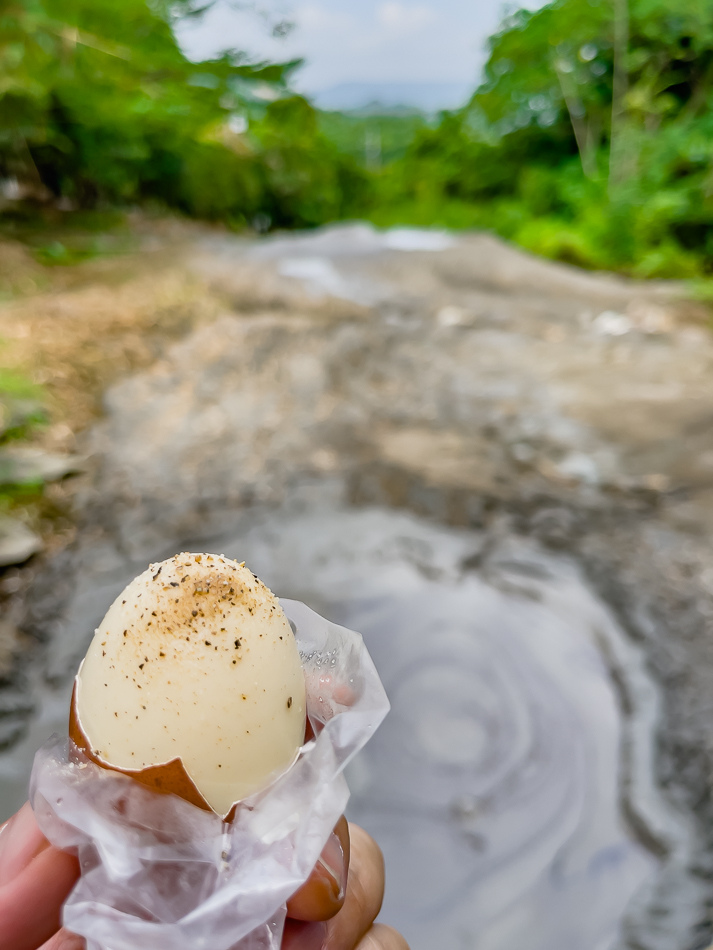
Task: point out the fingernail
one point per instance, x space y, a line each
4 835
20 841
332 860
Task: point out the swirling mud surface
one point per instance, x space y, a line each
476 460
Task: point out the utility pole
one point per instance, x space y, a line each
372 148
618 158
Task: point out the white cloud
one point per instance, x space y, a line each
357 40
403 16
315 16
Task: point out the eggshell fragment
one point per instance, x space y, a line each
193 683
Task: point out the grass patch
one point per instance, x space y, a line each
22 412
18 386
64 239
22 406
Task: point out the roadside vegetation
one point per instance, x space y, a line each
590 139
99 107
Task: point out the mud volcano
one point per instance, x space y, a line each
452 448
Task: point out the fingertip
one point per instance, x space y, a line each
365 892
322 896
369 868
64 940
382 937
20 842
31 904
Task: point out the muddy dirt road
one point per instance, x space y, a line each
501 471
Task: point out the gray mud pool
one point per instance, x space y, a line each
495 785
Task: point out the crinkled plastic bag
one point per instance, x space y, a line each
158 873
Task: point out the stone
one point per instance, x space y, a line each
17 542
16 413
23 464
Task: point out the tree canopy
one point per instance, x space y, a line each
590 137
99 104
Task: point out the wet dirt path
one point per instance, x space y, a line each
499 469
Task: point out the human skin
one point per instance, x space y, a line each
35 879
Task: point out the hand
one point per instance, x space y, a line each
346 921
35 879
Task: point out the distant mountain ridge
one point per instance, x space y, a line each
424 96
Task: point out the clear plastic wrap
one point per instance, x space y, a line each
161 874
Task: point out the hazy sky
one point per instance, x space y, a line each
357 40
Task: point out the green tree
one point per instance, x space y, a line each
309 179
99 104
590 138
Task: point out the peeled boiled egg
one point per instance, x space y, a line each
193 683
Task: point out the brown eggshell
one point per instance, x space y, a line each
170 778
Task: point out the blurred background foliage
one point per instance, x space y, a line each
590 139
99 106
